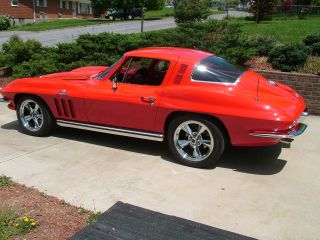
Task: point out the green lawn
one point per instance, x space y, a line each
58 24
285 30
67 23
165 12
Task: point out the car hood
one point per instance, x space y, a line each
82 73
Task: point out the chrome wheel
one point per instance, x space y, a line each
193 140
31 115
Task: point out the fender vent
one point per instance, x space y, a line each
64 108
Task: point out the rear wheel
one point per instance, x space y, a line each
34 116
111 18
195 141
130 17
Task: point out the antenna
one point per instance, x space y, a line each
257 96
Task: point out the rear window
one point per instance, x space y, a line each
216 69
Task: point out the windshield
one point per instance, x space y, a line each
216 69
103 74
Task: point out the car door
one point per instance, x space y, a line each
134 103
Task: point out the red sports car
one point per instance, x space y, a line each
194 100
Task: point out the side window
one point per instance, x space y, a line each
142 71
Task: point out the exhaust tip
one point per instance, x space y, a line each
286 142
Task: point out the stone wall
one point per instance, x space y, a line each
306 84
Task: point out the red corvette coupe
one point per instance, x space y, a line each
194 100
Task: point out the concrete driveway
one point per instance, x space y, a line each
267 193
52 37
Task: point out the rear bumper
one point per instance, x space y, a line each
297 129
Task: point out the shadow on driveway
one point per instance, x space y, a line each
251 160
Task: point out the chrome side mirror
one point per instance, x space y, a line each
114 83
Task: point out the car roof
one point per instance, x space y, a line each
184 53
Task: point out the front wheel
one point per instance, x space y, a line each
195 141
34 116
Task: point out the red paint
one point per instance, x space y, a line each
236 106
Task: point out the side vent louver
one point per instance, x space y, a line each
64 107
180 74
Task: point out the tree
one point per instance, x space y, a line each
103 5
286 5
191 10
261 9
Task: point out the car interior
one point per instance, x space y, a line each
142 71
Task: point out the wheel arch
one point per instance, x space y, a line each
18 96
209 117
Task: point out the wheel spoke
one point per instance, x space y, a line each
196 152
27 118
36 123
187 129
36 108
206 143
201 130
183 143
30 109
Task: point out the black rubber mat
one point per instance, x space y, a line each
124 221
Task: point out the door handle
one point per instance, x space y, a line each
148 99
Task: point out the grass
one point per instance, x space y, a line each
93 218
285 30
68 23
312 65
7 227
165 12
58 24
11 225
5 182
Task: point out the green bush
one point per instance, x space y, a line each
311 39
263 45
289 57
29 59
191 10
16 51
4 23
316 49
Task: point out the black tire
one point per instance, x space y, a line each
217 135
47 122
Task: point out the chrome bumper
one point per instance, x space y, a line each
298 127
3 100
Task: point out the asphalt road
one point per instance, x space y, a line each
52 37
266 193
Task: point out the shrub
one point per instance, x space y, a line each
16 51
316 49
263 45
4 23
311 39
191 10
289 57
35 67
29 59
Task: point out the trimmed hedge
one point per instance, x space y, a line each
28 59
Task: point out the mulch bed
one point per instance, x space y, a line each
55 219
260 63
3 80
